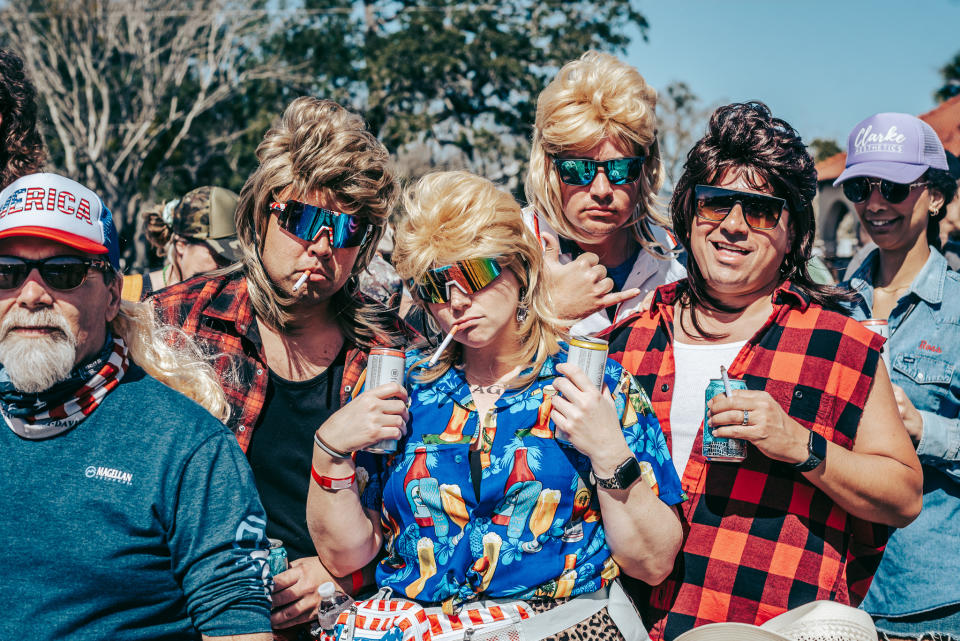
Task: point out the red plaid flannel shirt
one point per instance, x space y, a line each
759 538
217 313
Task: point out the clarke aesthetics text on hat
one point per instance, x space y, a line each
894 146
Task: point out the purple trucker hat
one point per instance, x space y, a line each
898 147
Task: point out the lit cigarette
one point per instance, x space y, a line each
301 280
443 346
726 382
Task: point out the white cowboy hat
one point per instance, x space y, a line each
817 621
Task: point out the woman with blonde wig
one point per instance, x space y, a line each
593 178
515 478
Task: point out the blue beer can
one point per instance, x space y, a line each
726 450
277 558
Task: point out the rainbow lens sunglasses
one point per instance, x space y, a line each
760 211
308 222
469 276
859 189
582 171
60 272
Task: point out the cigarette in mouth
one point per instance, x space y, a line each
443 346
301 280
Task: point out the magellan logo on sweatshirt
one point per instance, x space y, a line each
110 474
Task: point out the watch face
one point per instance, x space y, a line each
624 476
816 450
818 446
627 473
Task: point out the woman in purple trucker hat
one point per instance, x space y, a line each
897 177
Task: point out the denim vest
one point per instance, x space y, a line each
921 564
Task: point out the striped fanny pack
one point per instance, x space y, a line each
384 618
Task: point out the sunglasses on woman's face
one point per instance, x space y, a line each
308 222
760 211
468 276
582 171
858 189
59 272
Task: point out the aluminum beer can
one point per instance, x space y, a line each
385 365
879 326
277 557
590 355
727 450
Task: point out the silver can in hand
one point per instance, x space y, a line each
590 355
385 365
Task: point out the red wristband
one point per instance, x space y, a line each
357 579
330 483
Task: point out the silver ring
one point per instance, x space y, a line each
746 416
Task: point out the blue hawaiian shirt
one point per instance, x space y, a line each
923 354
517 517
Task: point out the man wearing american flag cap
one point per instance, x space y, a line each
129 511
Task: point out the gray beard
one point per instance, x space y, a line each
35 364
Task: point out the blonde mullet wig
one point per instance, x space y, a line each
453 216
170 356
591 99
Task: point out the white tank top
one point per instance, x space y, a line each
695 366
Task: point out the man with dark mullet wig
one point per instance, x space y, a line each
828 463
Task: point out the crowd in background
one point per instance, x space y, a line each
520 490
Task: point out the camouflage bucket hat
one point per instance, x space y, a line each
206 214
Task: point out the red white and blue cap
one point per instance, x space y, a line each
57 208
894 146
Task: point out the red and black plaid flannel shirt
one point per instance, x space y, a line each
759 538
217 313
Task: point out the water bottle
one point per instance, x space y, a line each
332 603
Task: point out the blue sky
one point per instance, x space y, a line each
821 65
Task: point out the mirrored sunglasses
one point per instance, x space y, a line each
59 272
468 276
760 211
308 222
858 189
582 171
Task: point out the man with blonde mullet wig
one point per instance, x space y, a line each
287 322
130 490
593 178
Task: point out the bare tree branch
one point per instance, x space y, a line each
124 81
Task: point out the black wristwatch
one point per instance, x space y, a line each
623 477
816 450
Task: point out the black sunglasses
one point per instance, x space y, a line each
858 189
760 211
60 272
582 171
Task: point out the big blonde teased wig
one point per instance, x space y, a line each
168 355
453 216
593 98
318 146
